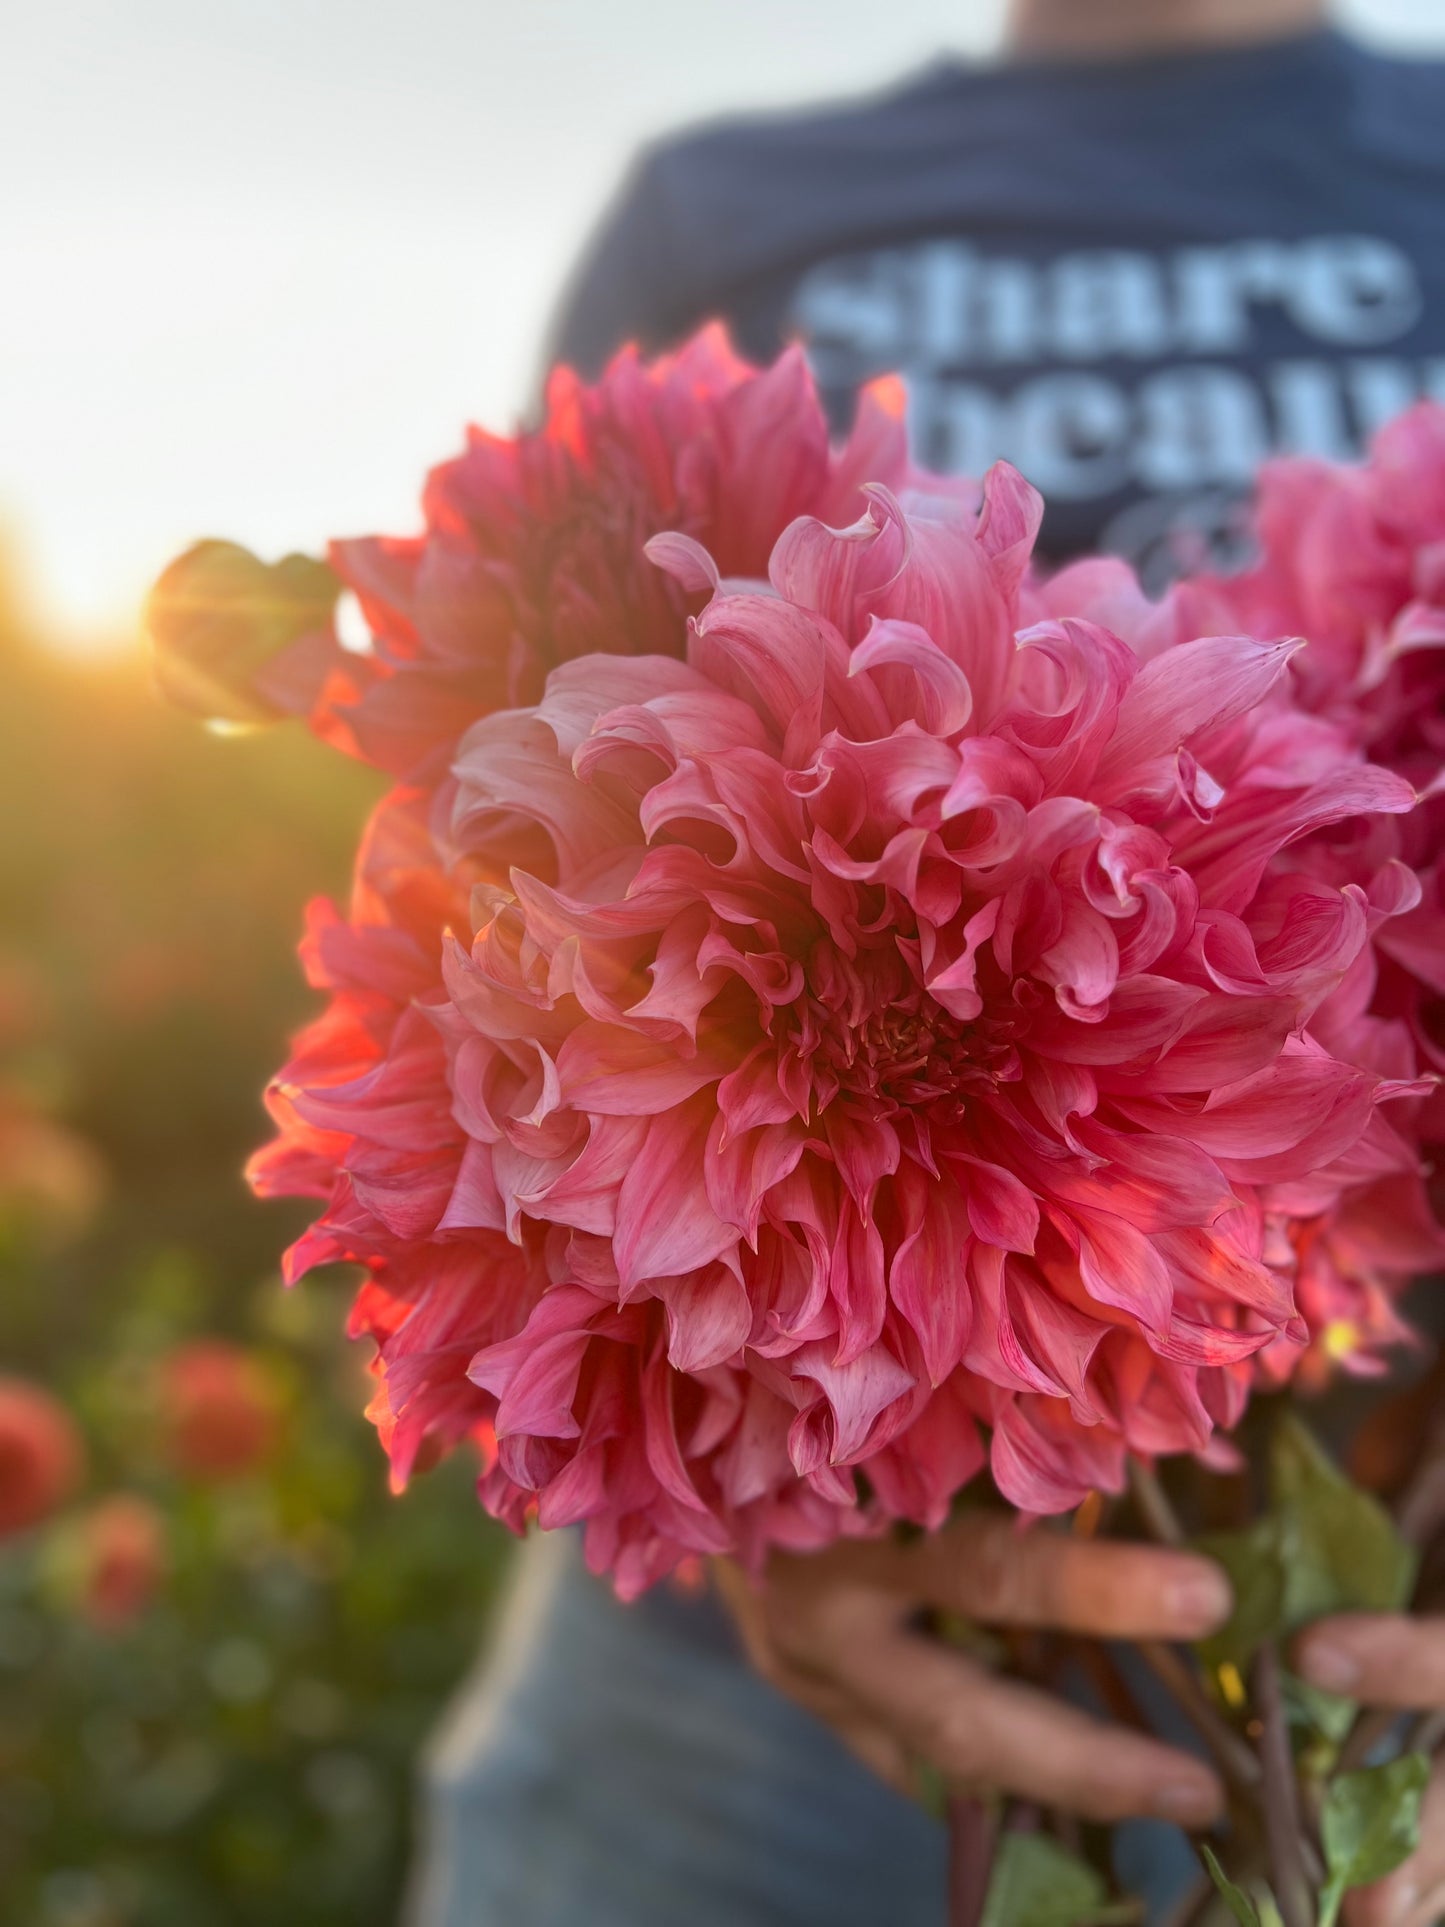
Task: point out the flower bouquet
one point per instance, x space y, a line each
831 1019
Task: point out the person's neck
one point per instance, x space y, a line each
1110 29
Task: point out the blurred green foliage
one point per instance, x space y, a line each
243 1750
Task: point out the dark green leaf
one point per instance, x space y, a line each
219 617
1038 1883
1255 1566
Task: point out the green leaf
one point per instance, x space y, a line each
1038 1883
1324 1713
1235 1898
930 1789
219 616
1254 1561
1247 1910
1340 1549
1370 1825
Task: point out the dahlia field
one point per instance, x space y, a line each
221 1643
832 1017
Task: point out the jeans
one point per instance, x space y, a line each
621 1766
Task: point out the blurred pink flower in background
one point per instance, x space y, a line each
117 1555
41 1455
219 1411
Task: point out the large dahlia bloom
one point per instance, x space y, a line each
895 1024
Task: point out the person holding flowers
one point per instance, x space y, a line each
1085 261
836 1004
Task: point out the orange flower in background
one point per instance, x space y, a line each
120 1555
219 1410
41 1456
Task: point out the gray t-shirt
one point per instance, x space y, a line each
1134 279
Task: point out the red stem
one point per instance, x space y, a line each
972 1835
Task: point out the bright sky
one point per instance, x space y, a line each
263 258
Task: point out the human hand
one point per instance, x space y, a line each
835 1631
1396 1661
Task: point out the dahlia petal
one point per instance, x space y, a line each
581 695
685 560
917 1474
937 696
664 1456
1051 1472
578 1492
1147 1015
475 1202
709 1316
665 1222
1155 1180
1225 1038
876 449
995 1350
540 1389
1198 686
1121 1267
744 1167
1230 856
855 1396
584 1192
605 1069
1001 1209
1083 966
1209 1264
857 1286
927 1279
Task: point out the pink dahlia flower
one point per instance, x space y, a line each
532 551
868 1036
1353 559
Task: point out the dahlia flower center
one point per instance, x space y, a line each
879 1036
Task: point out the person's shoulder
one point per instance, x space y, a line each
1401 104
923 105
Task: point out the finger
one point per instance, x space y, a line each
984 1567
747 1604
879 1750
981 1730
1382 1659
1414 1895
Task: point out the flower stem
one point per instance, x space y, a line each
972 1836
1231 1754
1159 1516
1420 1508
1282 1824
